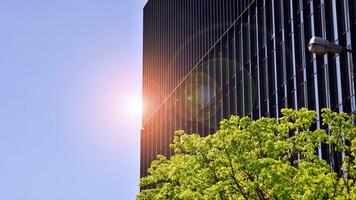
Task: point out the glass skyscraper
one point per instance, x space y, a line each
204 60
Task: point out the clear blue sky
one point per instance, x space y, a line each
70 74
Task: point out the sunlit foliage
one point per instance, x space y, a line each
264 159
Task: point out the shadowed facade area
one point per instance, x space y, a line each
205 60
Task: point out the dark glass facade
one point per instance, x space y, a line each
205 60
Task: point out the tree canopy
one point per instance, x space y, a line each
264 159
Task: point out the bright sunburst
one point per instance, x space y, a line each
134 106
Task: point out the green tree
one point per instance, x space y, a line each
264 159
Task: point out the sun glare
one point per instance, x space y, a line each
134 106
